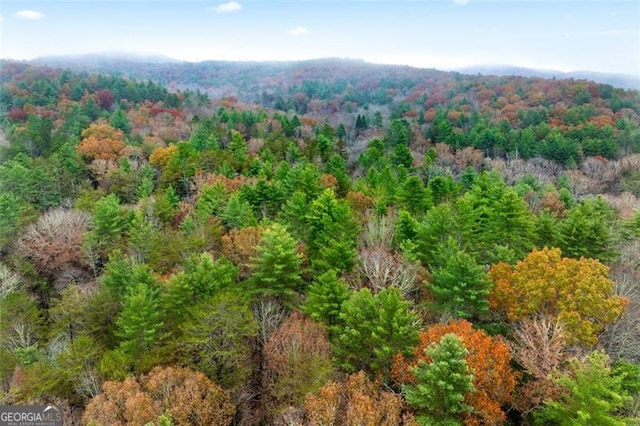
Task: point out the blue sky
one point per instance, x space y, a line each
564 35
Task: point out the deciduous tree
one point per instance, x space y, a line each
488 357
577 292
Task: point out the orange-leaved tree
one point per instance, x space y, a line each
356 401
488 357
101 141
578 293
188 396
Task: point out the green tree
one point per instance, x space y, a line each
401 156
325 297
13 214
458 284
238 148
374 329
592 395
500 225
139 324
119 120
276 267
337 167
414 197
439 393
332 233
237 213
218 339
587 230
110 222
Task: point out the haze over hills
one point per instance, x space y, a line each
624 81
153 66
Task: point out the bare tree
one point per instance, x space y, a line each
9 281
54 242
622 339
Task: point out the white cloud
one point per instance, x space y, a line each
1 18
298 32
461 2
232 6
30 15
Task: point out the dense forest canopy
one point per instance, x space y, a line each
327 243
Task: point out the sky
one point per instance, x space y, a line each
563 35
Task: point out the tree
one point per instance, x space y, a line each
592 395
458 284
374 329
540 347
587 231
488 357
276 267
356 401
187 396
238 213
54 242
332 233
110 222
102 141
297 360
13 213
441 384
414 197
139 324
499 225
325 297
218 337
577 292
120 121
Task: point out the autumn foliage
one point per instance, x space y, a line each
101 141
578 292
356 401
489 358
188 396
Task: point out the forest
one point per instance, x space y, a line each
324 243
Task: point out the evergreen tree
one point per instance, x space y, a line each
374 329
119 120
324 299
401 156
459 285
500 224
592 395
414 197
238 213
276 268
587 231
332 234
439 393
110 223
139 324
218 338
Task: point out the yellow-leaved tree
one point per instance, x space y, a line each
578 292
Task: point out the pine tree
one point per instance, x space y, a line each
439 393
324 299
110 223
276 268
139 323
592 395
374 329
414 197
459 285
332 234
